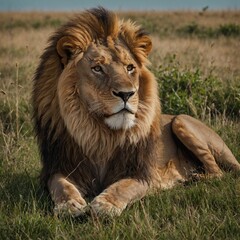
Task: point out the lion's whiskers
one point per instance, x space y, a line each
142 106
96 107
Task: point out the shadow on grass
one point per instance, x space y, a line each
23 191
26 210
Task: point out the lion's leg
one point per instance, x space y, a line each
66 197
113 200
190 133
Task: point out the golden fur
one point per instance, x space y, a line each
98 120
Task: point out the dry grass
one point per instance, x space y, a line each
210 55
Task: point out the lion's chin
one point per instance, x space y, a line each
122 120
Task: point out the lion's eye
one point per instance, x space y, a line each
97 69
130 68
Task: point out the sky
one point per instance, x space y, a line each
74 5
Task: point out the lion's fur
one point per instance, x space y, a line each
80 140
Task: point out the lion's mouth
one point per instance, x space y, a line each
124 110
121 119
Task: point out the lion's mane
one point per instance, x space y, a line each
70 139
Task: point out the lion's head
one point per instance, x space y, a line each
106 83
93 81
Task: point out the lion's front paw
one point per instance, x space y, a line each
71 207
201 176
103 205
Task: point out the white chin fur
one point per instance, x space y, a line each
120 121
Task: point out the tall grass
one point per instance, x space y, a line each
187 83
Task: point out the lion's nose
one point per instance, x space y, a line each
124 95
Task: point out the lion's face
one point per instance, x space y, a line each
108 82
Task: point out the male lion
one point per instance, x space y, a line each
98 120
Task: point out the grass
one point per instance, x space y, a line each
192 93
185 56
227 30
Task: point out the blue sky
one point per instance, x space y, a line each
69 5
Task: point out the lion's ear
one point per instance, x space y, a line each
144 43
66 47
138 41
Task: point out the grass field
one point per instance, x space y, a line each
197 51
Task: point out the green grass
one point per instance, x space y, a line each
34 24
190 92
199 210
193 29
206 210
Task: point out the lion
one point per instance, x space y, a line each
103 140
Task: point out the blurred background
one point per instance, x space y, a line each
67 5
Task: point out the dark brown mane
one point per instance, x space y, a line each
59 150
